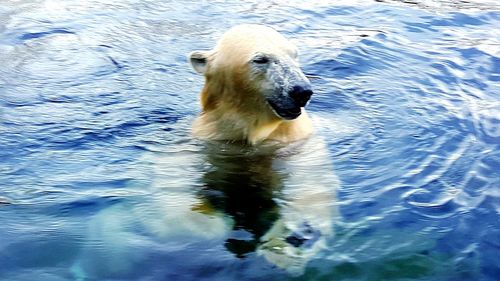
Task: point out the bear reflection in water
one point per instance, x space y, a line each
276 211
242 187
271 201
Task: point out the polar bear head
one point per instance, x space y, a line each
252 81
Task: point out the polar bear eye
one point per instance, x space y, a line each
261 60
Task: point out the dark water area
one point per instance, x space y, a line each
100 178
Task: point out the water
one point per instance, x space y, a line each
100 179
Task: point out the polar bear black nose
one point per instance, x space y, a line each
300 95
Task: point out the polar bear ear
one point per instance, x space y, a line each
198 60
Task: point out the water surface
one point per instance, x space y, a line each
100 178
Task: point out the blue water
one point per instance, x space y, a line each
94 94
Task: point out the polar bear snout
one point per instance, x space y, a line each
289 103
290 90
301 94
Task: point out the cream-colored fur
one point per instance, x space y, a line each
233 107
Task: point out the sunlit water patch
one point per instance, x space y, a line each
100 178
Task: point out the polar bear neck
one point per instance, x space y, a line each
231 125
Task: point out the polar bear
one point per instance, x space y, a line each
255 92
254 189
